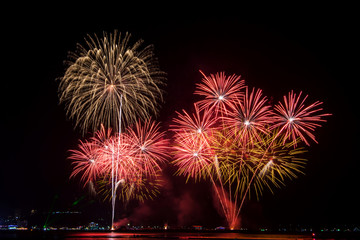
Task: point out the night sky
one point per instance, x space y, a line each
307 50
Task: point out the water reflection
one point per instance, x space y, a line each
180 236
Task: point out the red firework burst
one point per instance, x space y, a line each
297 119
220 91
249 117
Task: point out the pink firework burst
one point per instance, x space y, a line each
87 162
99 156
102 137
135 153
220 91
249 117
199 124
193 157
297 119
117 154
193 133
149 146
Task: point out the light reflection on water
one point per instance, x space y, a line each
180 236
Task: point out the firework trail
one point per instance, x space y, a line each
230 208
139 187
103 72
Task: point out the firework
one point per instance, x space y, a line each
220 91
277 161
197 125
250 117
108 73
235 163
296 119
193 134
102 137
86 161
149 146
245 148
94 157
193 157
117 156
133 157
139 188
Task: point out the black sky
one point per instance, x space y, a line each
308 50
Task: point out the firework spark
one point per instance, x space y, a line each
107 73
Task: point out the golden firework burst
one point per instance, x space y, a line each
108 75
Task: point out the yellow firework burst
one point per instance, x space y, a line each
268 161
108 74
236 164
138 188
278 161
